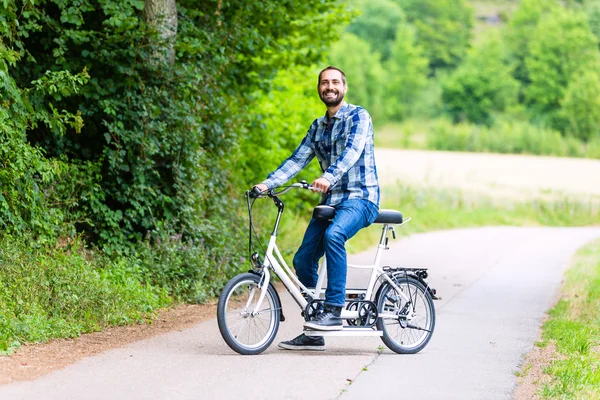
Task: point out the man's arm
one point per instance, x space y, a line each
303 154
355 145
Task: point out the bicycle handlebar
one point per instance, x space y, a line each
255 193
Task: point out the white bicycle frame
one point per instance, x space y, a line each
274 261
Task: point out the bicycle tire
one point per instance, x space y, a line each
417 332
244 333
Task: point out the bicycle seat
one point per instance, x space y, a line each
385 216
324 212
389 217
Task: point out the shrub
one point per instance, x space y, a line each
65 290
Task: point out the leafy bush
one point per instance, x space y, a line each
189 271
443 29
580 106
63 291
482 84
364 73
562 38
506 135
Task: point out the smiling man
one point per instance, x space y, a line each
342 141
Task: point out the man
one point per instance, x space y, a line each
342 141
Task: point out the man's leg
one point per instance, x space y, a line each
306 263
306 259
350 217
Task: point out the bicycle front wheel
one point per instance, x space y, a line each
248 332
406 316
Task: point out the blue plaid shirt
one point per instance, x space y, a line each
345 152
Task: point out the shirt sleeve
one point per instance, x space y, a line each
355 145
303 154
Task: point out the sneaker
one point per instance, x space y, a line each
328 320
304 342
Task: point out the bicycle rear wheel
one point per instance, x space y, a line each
245 333
407 325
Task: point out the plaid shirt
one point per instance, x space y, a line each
345 152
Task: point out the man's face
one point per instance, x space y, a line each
332 88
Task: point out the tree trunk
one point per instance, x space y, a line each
162 16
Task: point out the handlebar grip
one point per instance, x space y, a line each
254 193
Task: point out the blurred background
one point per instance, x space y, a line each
131 129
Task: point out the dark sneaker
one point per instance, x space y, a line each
304 342
328 320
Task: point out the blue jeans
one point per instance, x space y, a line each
329 238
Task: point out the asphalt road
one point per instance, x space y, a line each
495 283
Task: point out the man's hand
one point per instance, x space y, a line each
321 184
262 187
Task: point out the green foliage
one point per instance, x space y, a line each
63 291
364 72
592 11
280 121
506 135
520 31
561 47
138 154
482 84
189 271
27 177
580 106
161 133
443 29
406 73
377 25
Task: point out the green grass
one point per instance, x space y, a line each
505 136
574 326
50 291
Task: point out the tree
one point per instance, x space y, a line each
580 106
161 15
520 31
592 10
561 47
405 74
152 139
366 77
377 24
443 29
482 84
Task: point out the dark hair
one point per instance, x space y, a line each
335 69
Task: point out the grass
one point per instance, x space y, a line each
63 291
574 327
505 136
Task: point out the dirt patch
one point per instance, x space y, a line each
34 360
532 376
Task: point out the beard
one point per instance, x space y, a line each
332 101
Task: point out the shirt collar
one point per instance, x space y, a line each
338 115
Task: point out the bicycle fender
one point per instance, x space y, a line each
281 316
398 275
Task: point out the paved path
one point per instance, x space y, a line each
496 284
